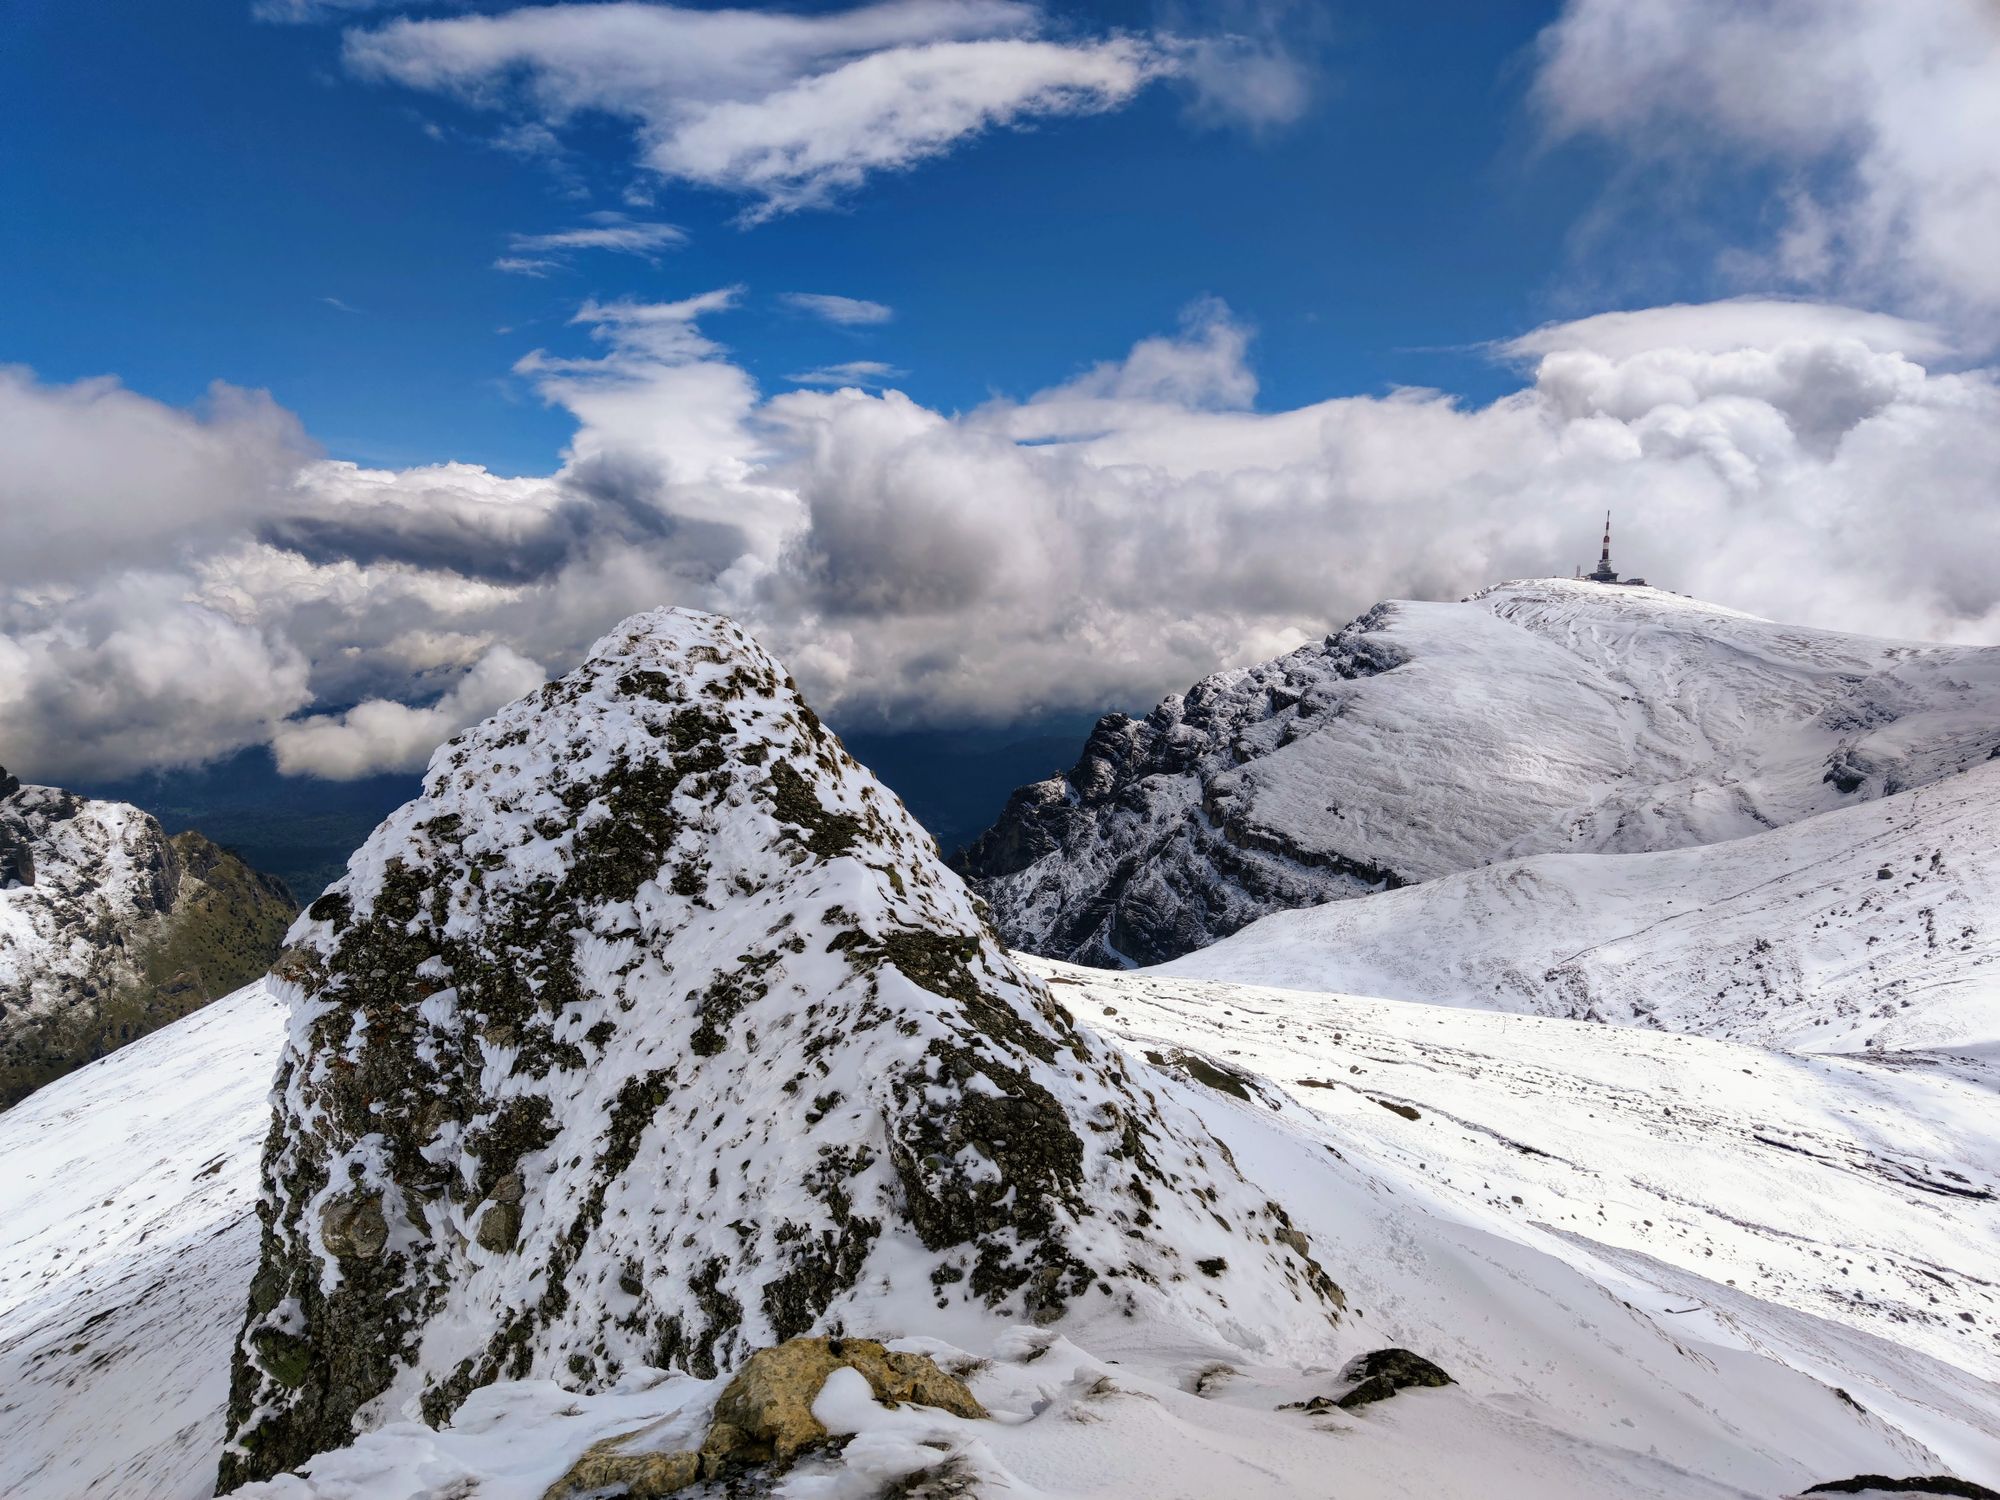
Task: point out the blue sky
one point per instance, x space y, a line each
190 186
362 361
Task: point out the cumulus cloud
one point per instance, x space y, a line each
849 312
792 109
132 674
96 473
1881 114
382 735
1107 538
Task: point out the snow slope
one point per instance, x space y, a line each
1869 927
127 1236
1713 1243
1424 739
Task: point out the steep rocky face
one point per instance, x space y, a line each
109 929
1142 851
1425 739
654 1032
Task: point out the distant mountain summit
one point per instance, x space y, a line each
655 1031
1547 716
109 929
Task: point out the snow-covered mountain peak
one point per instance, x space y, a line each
654 1031
1541 716
109 928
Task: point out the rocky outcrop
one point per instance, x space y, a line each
654 1032
764 1417
1146 850
109 929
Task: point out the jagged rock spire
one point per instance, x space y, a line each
655 1031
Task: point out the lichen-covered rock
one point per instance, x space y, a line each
764 1417
109 929
765 1414
658 1033
609 1466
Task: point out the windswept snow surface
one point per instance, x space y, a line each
1870 927
127 1237
1731 1273
1537 717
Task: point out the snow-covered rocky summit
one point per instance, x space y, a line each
655 1031
1538 717
110 929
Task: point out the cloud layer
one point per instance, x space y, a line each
1879 115
1101 541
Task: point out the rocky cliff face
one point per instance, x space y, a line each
110 929
1423 739
654 1032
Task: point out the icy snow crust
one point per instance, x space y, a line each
1423 739
1867 928
655 1032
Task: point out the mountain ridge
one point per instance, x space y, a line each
1535 717
110 929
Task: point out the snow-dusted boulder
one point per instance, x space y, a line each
654 1032
1552 716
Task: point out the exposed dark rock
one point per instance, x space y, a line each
1147 848
1933 1484
1382 1373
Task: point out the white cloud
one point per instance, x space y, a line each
381 735
855 372
301 12
1111 537
1739 323
604 231
849 312
1247 62
788 109
1883 112
132 674
96 474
